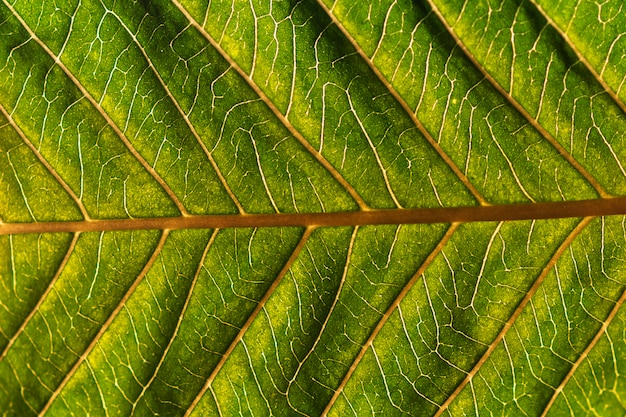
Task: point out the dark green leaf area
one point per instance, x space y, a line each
99 271
553 332
28 263
467 294
197 304
26 184
325 340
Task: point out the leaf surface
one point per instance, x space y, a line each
390 207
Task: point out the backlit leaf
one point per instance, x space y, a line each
390 207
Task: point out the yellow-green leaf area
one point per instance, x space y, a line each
312 208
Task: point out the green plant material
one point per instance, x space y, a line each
167 109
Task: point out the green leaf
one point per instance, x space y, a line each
312 208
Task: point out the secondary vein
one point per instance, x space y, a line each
394 93
392 307
511 321
83 357
103 113
239 338
270 104
45 163
517 105
580 57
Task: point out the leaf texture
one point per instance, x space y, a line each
312 208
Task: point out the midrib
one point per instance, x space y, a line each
504 212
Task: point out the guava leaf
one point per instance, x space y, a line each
312 208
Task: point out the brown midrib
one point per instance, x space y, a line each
504 212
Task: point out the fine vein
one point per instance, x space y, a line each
520 109
270 104
107 323
510 322
253 315
100 110
394 93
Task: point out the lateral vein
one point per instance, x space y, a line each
45 163
517 106
239 337
182 113
103 113
581 58
178 323
392 307
270 104
42 298
511 321
106 324
394 93
585 353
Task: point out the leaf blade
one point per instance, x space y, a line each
301 114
